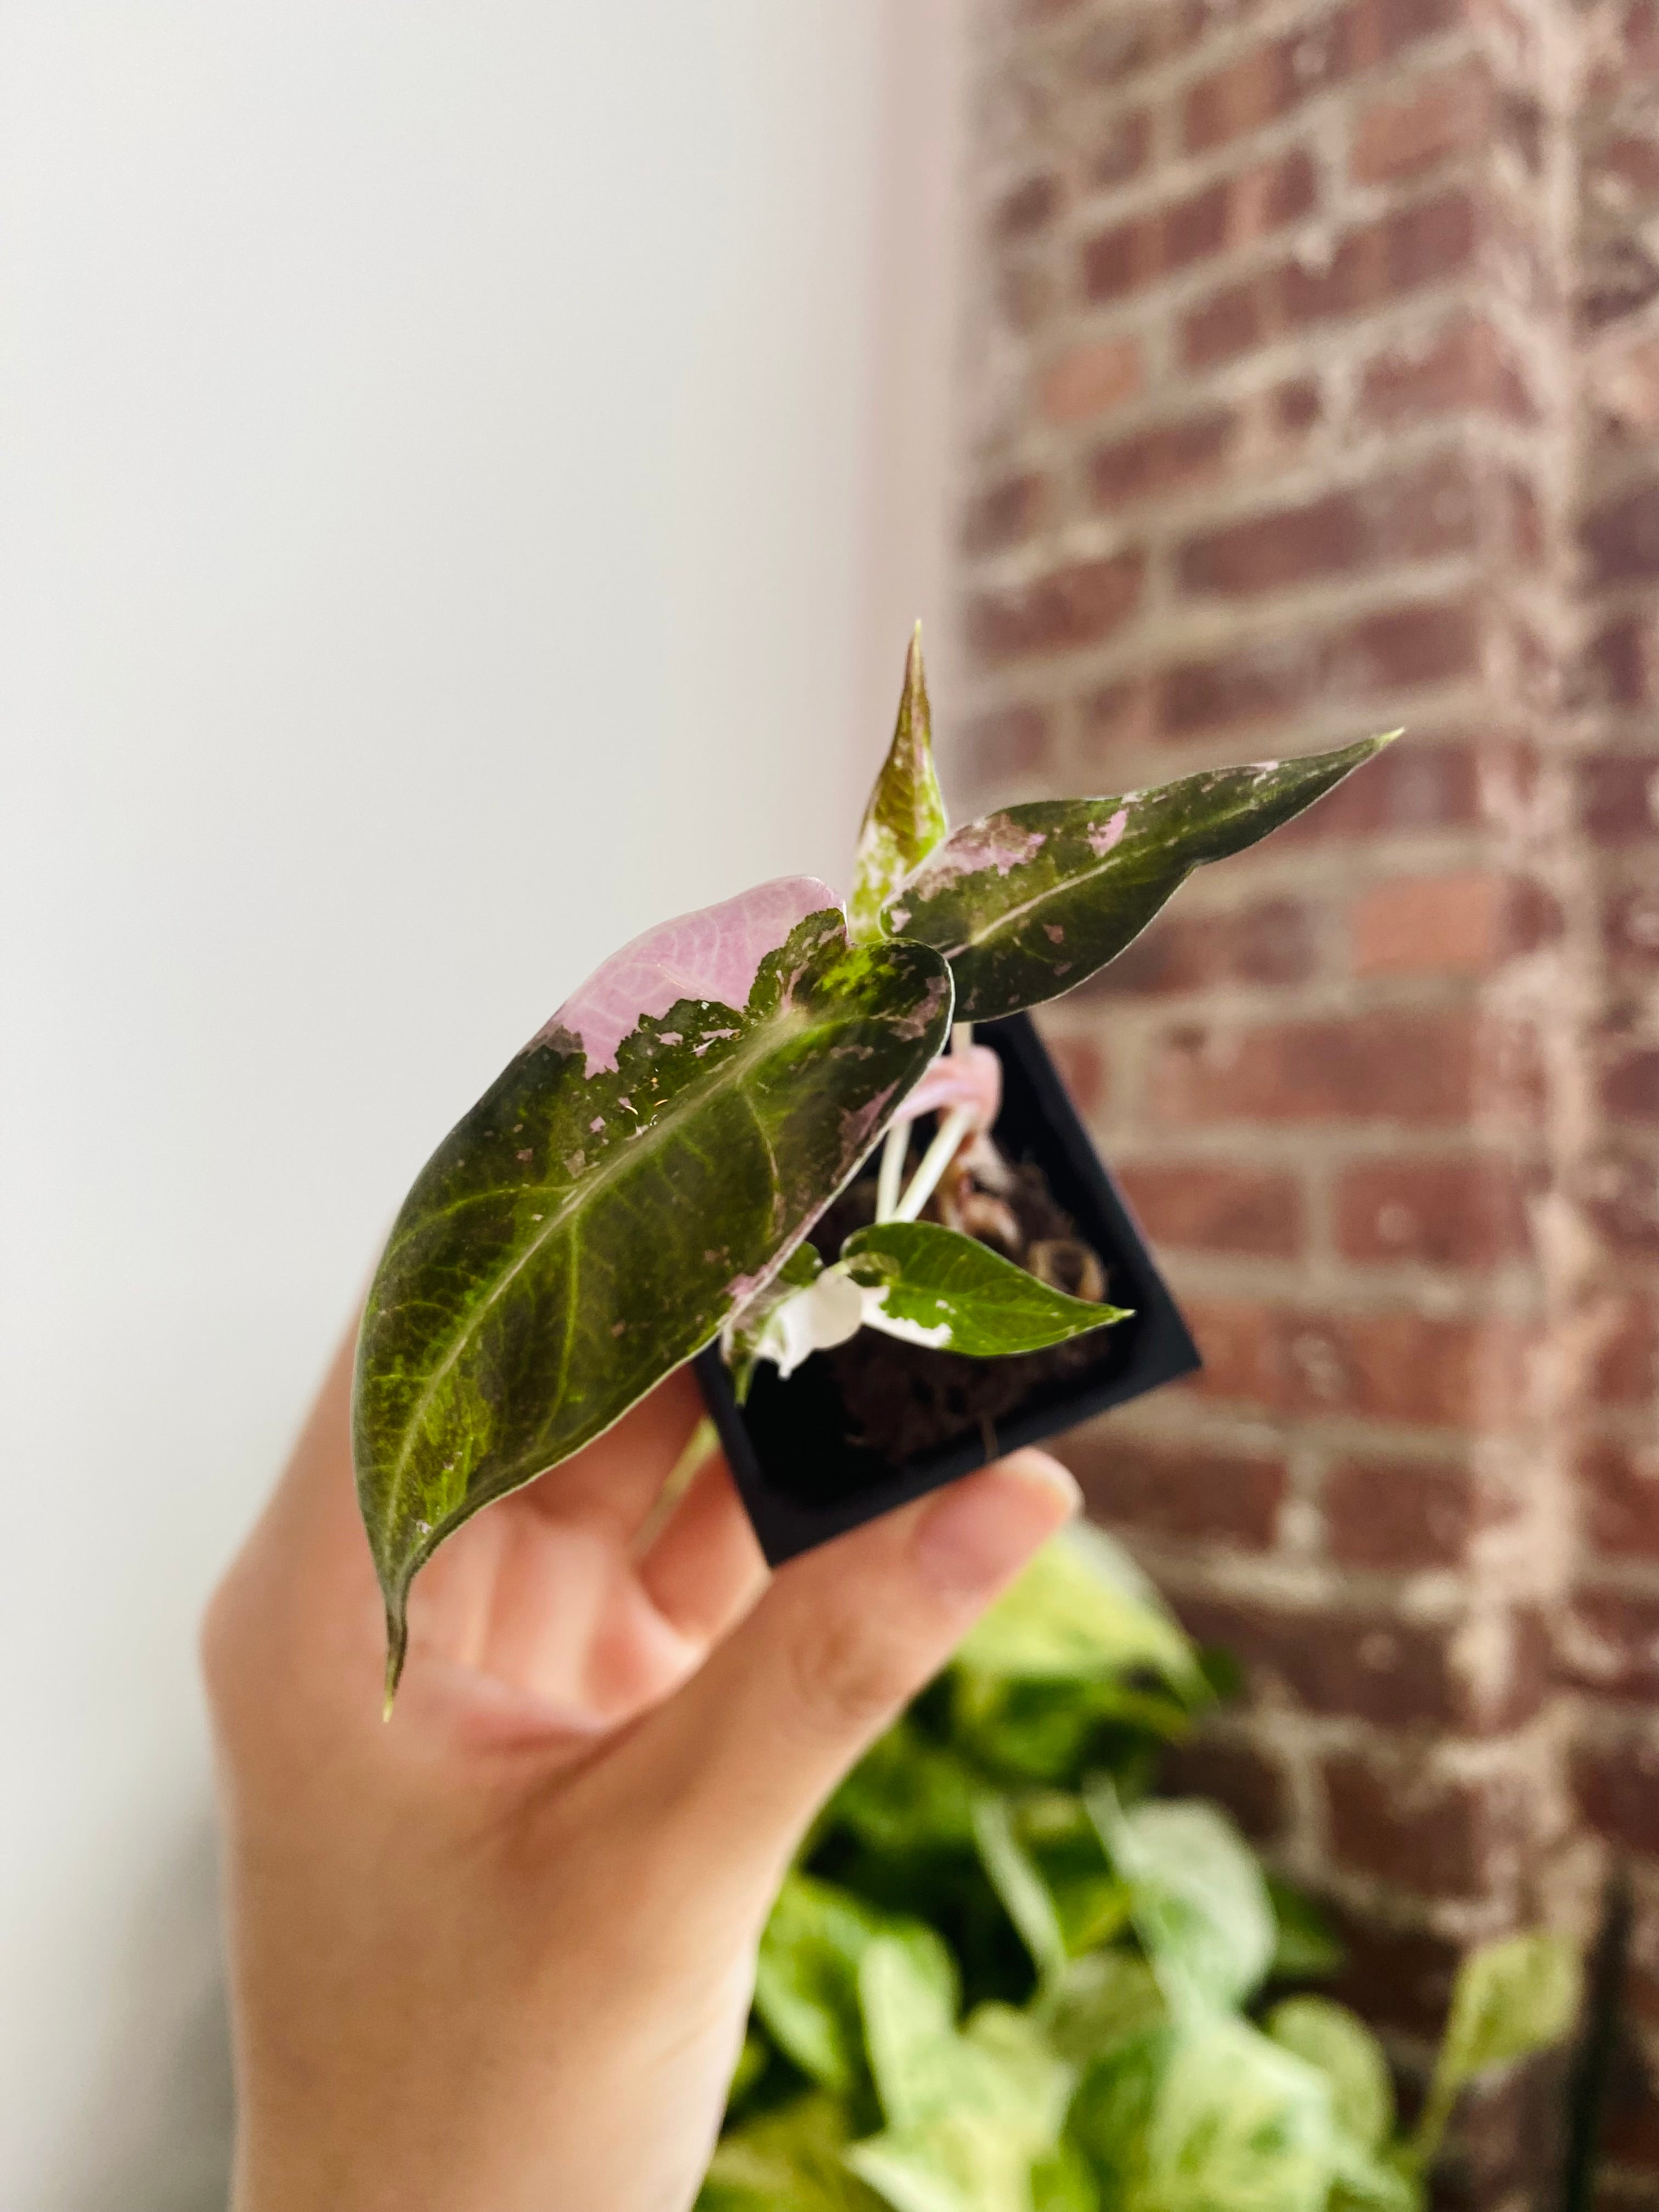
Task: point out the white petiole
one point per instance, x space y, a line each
892 1174
937 1156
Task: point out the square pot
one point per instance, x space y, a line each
804 1479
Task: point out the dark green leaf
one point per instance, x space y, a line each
905 818
1018 1881
929 1284
1025 904
622 1189
908 1794
1305 1948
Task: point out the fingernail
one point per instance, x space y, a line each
981 1530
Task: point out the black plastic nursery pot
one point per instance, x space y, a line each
806 1468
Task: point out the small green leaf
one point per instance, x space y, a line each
1061 2182
1200 1904
1027 904
616 1195
1017 1883
806 1980
1510 1999
1081 1611
1339 2044
1100 2000
793 2157
932 1285
1306 1949
908 1794
905 818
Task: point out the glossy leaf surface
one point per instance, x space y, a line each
930 1285
905 818
1027 904
618 1193
1338 2043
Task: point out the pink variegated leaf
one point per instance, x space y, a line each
637 1173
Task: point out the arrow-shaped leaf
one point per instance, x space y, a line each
1027 904
906 817
621 1188
930 1285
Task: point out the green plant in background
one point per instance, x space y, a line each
1003 1977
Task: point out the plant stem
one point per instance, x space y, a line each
938 1156
892 1177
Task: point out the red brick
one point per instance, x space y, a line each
1629 1088
1396 1365
1619 1189
1619 796
1403 1515
1621 538
1170 457
1441 1836
1466 366
1199 1207
1621 663
1447 1213
1612 1644
1269 942
1009 742
1028 208
1069 607
1257 682
1404 134
1091 380
1433 509
1396 254
1229 213
1619 1484
1630 927
1229 1773
1005 513
1625 1367
1383 1066
1295 405
1269 82
1082 1068
1430 642
1616 1781
1188 1491
1371 1665
1461 924
1119 716
1121 152
1397 1977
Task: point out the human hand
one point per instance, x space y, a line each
497 1955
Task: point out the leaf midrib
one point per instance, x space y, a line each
737 1063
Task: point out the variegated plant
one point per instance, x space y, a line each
641 1179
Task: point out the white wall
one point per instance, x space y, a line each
465 475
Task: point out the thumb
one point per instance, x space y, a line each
741 1759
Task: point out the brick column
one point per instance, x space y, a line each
1610 1639
1274 439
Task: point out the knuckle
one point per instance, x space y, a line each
848 1675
